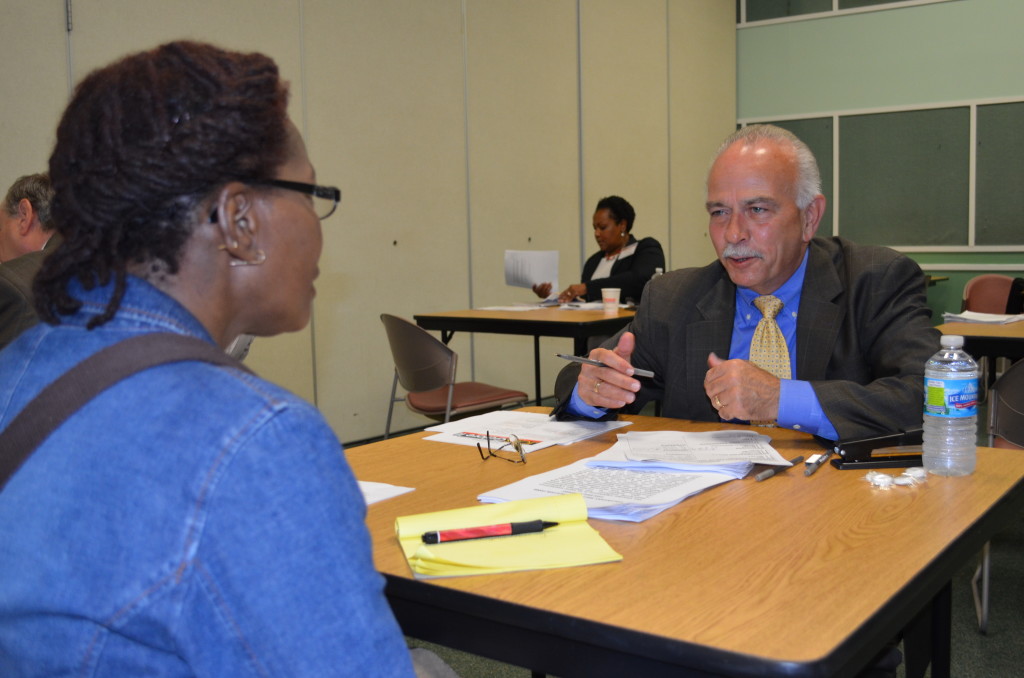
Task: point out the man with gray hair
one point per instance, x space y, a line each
25 217
25 230
810 333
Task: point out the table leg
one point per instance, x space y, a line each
927 639
536 368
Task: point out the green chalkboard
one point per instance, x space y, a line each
999 196
904 177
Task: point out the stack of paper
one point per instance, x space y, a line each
618 487
572 542
536 431
732 453
975 317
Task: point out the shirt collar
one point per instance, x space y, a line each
788 293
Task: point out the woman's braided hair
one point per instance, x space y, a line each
142 145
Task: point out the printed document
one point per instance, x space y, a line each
646 472
526 268
534 430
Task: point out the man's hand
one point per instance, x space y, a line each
738 389
612 386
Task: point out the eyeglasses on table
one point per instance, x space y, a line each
515 455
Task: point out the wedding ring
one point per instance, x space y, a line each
597 385
718 403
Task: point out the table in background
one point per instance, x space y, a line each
1003 340
794 576
578 325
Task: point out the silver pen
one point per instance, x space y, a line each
637 372
768 473
811 467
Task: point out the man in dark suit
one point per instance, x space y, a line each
17 312
854 318
25 230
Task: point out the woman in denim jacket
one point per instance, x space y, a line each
192 520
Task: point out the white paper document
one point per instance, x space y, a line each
733 453
611 494
526 268
374 492
646 472
536 431
986 318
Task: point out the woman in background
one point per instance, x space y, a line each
621 260
191 520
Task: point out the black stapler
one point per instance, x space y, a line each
895 450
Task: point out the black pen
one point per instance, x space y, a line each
817 462
485 531
637 372
768 473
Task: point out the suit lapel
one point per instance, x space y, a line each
820 316
712 332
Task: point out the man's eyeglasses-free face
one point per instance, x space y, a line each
516 455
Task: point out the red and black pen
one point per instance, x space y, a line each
503 530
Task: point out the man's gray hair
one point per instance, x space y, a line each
37 190
808 181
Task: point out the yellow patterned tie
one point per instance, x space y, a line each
768 348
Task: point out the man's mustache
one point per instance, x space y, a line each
741 252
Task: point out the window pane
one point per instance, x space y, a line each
758 10
999 199
851 4
903 177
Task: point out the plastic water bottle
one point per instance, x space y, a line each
950 410
657 272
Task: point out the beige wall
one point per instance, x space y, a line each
456 130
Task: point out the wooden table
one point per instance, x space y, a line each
983 339
794 576
541 322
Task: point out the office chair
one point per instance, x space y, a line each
987 293
1006 430
425 368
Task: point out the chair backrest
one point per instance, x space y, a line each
422 361
1006 407
987 293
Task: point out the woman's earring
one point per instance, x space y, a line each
261 256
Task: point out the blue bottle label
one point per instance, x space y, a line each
951 397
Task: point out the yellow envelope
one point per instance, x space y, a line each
572 542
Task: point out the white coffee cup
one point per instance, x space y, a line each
610 298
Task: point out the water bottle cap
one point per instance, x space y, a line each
951 340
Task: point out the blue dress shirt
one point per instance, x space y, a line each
799 407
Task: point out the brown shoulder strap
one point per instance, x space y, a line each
83 382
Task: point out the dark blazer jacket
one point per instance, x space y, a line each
629 274
863 335
17 313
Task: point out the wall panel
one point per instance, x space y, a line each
702 102
386 114
523 162
268 26
34 88
624 74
